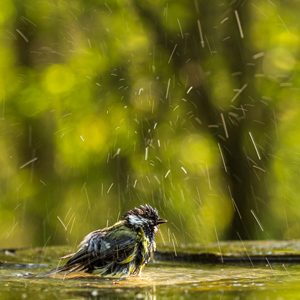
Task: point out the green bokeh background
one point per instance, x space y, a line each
98 116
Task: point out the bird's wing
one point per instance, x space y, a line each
103 246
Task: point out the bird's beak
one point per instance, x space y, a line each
160 221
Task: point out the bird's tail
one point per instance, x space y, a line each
54 271
66 268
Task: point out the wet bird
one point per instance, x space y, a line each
118 251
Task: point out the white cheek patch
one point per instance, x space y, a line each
134 220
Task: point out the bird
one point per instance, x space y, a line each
117 251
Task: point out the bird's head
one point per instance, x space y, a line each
145 216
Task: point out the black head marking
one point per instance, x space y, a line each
144 213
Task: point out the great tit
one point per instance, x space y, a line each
117 251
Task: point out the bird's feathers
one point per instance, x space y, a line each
119 250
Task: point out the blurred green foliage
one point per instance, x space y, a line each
97 117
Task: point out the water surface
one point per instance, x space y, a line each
159 280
